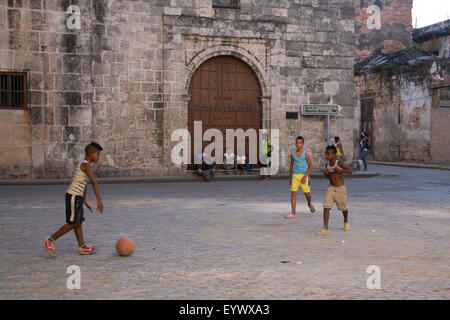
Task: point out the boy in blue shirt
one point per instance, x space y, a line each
299 175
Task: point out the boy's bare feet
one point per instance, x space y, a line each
290 216
311 207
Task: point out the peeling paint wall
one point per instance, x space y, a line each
415 121
440 116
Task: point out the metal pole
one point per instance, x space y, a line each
328 129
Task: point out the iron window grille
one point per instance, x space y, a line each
13 90
367 108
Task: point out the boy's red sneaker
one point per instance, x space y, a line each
50 246
87 250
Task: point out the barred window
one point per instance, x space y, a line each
367 108
232 4
13 93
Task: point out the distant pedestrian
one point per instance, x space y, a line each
267 151
363 149
340 150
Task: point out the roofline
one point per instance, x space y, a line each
434 31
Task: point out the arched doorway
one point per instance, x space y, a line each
224 94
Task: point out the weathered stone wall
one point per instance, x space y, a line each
33 38
123 79
128 87
440 133
102 82
395 26
403 112
15 145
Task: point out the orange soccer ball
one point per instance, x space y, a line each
125 247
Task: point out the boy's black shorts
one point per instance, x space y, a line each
74 209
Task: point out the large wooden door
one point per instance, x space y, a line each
224 95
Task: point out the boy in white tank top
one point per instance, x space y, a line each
336 192
75 199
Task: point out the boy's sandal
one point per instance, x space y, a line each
322 231
50 246
87 250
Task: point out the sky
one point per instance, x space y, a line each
429 11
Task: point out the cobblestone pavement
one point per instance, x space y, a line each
229 240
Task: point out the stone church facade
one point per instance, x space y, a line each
122 77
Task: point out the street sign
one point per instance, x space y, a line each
320 109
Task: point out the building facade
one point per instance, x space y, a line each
128 73
403 98
381 25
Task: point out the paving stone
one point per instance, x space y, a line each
226 240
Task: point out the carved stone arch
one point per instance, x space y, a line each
224 50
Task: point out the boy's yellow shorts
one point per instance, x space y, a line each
296 183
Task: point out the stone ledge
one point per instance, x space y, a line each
411 165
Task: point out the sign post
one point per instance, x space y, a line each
328 129
321 110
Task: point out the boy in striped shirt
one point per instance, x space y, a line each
75 198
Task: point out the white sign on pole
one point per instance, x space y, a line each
320 109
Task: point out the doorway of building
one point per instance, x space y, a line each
367 121
224 94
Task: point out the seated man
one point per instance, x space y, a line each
242 166
207 168
228 161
